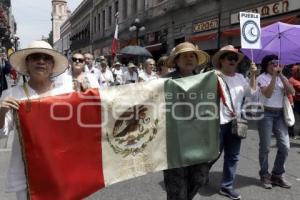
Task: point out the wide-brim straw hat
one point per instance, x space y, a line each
18 59
184 47
224 50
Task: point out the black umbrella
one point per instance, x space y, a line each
136 51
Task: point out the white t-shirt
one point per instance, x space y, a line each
119 75
239 88
16 179
148 77
94 71
128 78
276 100
106 78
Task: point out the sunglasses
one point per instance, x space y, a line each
274 62
232 57
40 56
80 60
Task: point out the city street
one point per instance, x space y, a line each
151 187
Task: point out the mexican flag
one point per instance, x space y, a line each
75 144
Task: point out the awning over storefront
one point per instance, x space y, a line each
154 47
204 37
235 32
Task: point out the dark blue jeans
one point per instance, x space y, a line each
231 145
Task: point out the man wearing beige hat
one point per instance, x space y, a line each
131 76
40 63
118 73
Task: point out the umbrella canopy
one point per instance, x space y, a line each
280 39
136 51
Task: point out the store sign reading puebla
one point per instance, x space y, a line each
250 30
271 9
206 25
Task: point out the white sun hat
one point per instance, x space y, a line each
18 59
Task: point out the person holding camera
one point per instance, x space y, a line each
274 86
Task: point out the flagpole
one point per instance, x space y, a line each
115 39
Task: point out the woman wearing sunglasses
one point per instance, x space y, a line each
40 63
236 88
80 79
274 85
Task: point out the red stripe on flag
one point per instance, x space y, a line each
63 159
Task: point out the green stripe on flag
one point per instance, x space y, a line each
195 139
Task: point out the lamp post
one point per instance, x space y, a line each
137 26
14 40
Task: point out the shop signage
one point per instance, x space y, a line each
206 25
272 9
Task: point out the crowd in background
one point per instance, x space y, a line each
82 72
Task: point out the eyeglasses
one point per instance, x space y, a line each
274 62
40 56
80 60
232 57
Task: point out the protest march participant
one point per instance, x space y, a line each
131 76
90 66
236 88
274 85
80 79
40 62
295 82
162 68
5 68
148 74
106 76
183 183
118 73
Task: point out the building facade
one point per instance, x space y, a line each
80 21
208 23
8 27
59 15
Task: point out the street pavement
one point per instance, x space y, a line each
150 187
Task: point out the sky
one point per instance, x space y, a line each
33 18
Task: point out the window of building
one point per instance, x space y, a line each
95 24
116 7
103 20
99 22
134 7
109 16
125 9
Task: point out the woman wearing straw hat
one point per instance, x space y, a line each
236 88
183 183
40 62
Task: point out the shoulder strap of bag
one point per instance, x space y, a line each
26 91
232 111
